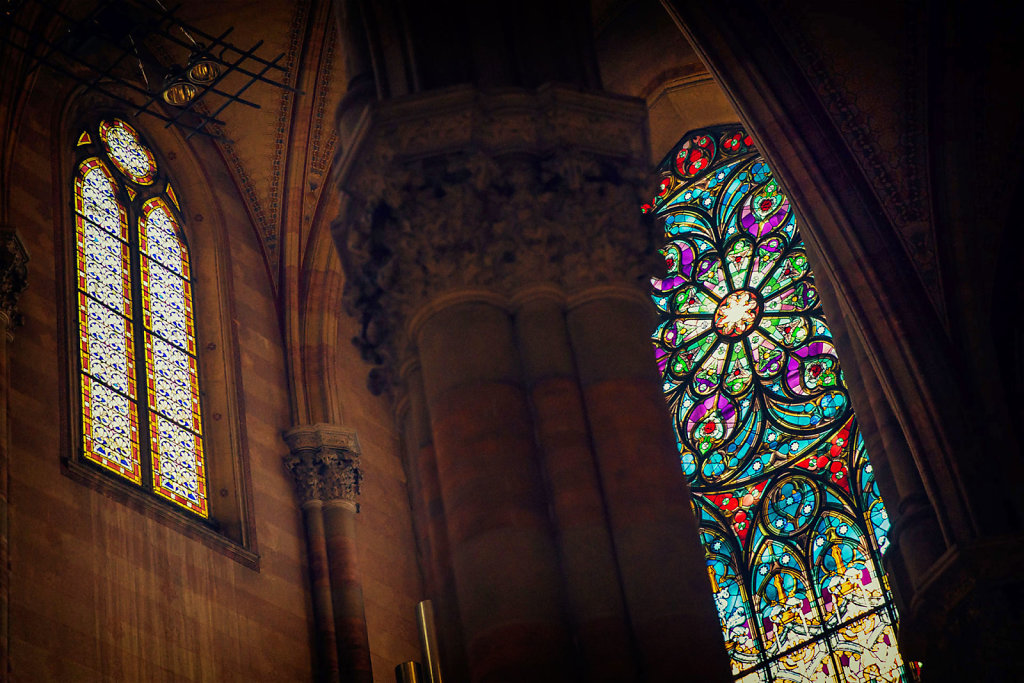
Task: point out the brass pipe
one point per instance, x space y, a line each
409 672
428 640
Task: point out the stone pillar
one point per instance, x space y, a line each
429 518
324 462
586 549
13 280
667 593
495 508
472 223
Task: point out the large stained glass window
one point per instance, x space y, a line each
136 334
790 514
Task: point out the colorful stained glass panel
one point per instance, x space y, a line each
159 238
168 303
110 429
103 267
791 519
178 471
171 367
174 391
109 260
96 198
105 340
127 152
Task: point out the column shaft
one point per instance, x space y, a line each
502 551
347 591
320 585
5 574
13 280
592 584
438 570
668 594
324 462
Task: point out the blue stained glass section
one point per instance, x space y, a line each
167 302
111 425
99 204
173 382
104 269
162 242
178 468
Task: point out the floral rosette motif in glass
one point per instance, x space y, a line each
791 517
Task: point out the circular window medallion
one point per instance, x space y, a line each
129 154
736 313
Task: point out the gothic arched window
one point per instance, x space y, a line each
139 379
790 515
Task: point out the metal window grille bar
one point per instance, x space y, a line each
46 33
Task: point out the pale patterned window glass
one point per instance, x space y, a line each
136 332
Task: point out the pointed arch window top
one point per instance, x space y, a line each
127 152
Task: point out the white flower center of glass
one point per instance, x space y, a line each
736 313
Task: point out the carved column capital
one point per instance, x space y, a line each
493 192
13 275
324 462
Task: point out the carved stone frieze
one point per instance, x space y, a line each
13 274
490 192
324 462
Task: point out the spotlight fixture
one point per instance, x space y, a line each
177 91
88 43
202 68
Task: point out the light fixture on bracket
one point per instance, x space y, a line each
202 68
177 91
88 42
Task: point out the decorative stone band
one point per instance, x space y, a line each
13 276
324 462
494 192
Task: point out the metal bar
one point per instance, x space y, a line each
225 105
112 95
169 14
219 78
428 640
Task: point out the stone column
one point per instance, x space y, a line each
461 207
495 507
593 590
324 462
667 593
13 280
429 517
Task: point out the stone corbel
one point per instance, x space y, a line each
324 462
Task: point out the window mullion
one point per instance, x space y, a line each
138 322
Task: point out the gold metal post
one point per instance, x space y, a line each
428 641
409 672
